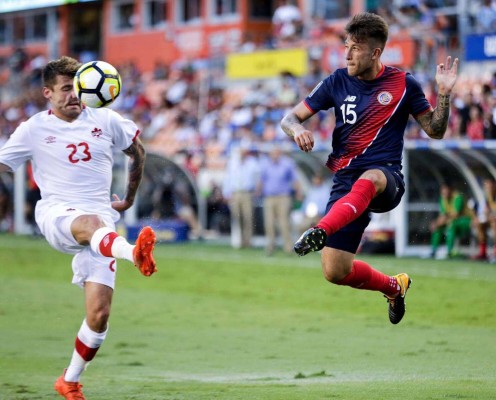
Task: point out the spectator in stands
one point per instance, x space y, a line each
218 211
475 124
163 199
172 200
488 103
278 185
240 183
486 220
453 221
160 70
287 22
186 210
32 197
5 206
18 60
464 105
314 203
486 17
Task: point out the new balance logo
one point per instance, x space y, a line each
352 207
350 98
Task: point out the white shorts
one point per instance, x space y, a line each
55 224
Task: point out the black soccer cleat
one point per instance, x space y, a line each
396 309
313 239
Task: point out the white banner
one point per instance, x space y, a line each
18 5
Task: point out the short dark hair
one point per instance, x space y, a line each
66 66
365 26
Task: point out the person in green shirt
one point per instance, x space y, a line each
485 221
453 221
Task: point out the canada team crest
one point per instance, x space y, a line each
385 98
97 132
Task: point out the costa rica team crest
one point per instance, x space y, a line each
384 98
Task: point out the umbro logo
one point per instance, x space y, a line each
50 139
350 98
96 132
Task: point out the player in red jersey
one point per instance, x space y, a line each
71 149
372 103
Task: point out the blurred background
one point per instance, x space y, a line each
208 82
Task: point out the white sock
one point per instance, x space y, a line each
90 339
120 247
75 368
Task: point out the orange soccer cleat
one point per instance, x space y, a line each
143 251
69 390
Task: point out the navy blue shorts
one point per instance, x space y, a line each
348 238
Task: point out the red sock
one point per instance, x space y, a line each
483 249
87 353
363 276
349 207
106 244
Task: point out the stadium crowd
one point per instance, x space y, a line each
192 114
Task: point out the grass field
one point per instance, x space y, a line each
217 323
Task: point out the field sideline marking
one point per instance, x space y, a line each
283 378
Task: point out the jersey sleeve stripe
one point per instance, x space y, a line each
307 106
424 112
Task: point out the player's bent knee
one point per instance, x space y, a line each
333 273
84 226
89 222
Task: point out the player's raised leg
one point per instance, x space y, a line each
107 242
340 268
343 211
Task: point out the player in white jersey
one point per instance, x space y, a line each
71 150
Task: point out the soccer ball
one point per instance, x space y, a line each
97 84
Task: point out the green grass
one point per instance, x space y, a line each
218 323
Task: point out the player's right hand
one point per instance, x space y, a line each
120 205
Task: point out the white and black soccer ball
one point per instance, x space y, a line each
97 84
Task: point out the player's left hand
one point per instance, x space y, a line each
446 75
120 205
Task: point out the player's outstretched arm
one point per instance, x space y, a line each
291 124
435 122
136 153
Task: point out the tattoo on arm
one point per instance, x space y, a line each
434 123
136 153
289 124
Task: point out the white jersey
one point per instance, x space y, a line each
72 161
